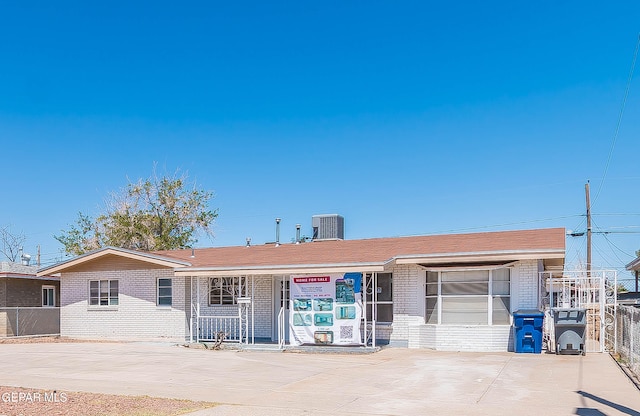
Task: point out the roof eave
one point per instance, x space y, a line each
634 265
28 276
247 270
131 254
503 255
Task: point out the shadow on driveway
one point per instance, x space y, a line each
596 412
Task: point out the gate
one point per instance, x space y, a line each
594 291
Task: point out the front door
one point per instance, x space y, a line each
281 301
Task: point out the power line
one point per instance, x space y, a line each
610 257
612 245
510 223
603 257
581 233
621 114
616 215
576 252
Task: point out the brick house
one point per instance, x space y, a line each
20 286
28 302
445 292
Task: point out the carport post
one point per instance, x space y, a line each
190 309
198 308
253 292
363 290
374 307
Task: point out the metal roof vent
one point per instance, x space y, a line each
278 231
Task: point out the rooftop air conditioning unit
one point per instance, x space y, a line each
328 227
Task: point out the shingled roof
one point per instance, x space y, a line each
506 245
340 255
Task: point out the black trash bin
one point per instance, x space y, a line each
570 325
527 335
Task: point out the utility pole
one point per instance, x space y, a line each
586 189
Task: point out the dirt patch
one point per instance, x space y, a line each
46 340
16 401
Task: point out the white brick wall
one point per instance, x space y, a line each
409 327
263 307
407 291
262 304
461 337
136 317
527 285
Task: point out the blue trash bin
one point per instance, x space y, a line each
527 328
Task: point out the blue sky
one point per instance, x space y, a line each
404 117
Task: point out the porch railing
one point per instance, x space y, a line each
281 329
210 328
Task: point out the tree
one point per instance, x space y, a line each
152 214
11 243
81 237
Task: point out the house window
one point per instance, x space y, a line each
165 292
224 290
48 296
379 291
285 293
468 297
103 292
501 296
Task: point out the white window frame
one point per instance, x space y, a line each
45 298
490 296
111 300
159 296
285 289
371 297
228 290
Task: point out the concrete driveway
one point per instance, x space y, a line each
393 381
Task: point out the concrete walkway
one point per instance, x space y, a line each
394 381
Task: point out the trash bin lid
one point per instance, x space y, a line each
528 312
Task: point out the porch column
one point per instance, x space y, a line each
253 320
190 309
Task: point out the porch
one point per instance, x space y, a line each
252 310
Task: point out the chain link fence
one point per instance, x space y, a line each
626 284
628 338
23 321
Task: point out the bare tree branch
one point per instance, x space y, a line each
11 243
